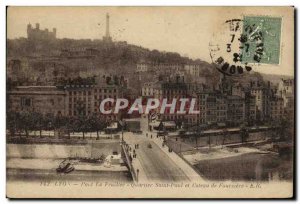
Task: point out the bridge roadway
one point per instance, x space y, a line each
154 163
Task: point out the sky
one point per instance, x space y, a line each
186 30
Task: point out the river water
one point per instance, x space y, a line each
247 167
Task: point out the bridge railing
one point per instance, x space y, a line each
169 145
129 162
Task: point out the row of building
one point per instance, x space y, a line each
229 103
192 69
68 100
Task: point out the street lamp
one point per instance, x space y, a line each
49 126
122 134
122 124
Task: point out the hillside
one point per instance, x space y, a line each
94 57
107 52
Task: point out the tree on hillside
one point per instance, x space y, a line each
70 125
224 136
96 124
27 122
196 130
11 122
274 130
244 133
60 123
284 129
38 121
81 125
48 122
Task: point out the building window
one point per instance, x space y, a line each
26 102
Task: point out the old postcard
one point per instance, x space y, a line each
150 102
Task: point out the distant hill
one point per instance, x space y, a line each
109 58
96 57
116 57
110 52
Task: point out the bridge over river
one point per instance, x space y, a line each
155 163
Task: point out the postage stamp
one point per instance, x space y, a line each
241 44
263 39
226 48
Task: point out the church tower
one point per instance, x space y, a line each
107 37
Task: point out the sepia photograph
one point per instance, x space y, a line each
150 102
